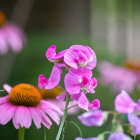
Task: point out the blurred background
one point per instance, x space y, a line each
110 27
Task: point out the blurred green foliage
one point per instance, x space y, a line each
31 62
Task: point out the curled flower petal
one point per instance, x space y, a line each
95 104
52 56
53 80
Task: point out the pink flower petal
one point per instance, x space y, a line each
61 97
3 99
42 81
22 117
124 104
7 113
95 104
95 118
70 59
36 115
45 120
72 83
51 52
53 80
7 87
135 122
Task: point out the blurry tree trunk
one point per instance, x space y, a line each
129 30
22 12
20 16
112 25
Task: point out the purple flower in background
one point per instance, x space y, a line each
124 104
119 136
120 77
80 56
53 80
52 56
11 36
92 138
95 118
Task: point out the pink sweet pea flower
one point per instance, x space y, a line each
52 56
95 118
120 77
135 123
53 80
11 36
124 103
77 80
24 104
92 138
80 56
119 136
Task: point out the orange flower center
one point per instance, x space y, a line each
2 18
132 64
51 93
25 94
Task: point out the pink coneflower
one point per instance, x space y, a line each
11 36
125 77
24 104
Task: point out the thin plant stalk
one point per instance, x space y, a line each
21 133
45 135
63 118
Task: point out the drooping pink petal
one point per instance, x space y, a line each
36 115
54 116
119 136
51 106
95 118
124 104
7 87
135 122
95 104
22 117
53 80
7 113
45 120
83 102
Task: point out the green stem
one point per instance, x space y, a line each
21 133
77 127
44 132
63 118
